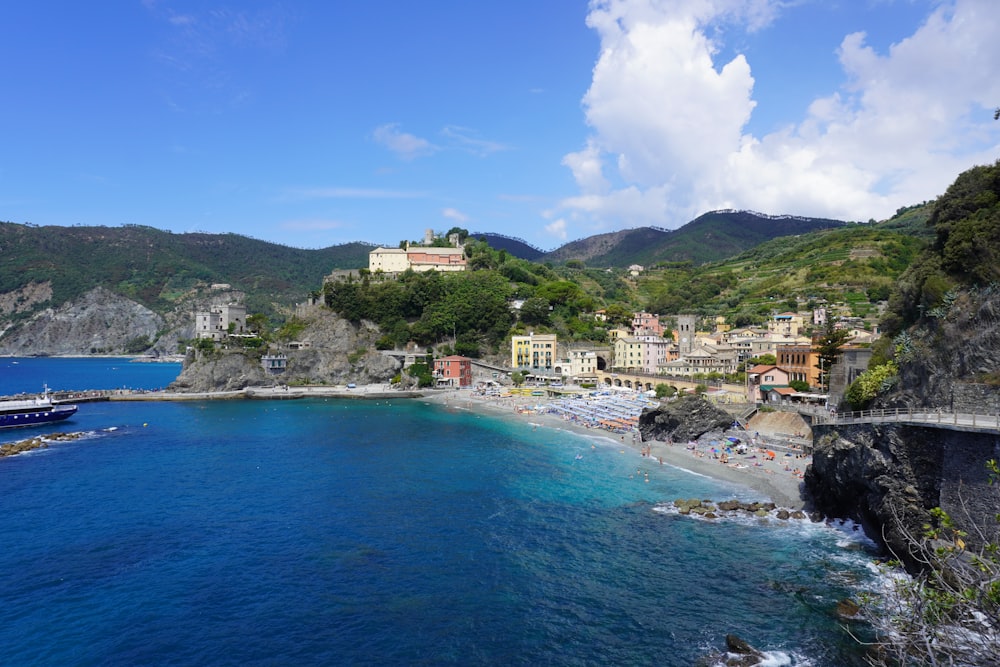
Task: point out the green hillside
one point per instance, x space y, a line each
711 237
156 268
853 264
740 265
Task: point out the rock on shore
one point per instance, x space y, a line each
889 476
39 442
687 418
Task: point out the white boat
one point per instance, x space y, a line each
33 412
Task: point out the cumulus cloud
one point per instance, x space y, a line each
668 137
406 146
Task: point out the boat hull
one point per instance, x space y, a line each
43 415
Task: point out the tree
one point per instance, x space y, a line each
767 359
517 377
618 314
462 233
664 390
258 323
828 346
422 372
799 385
535 310
871 383
137 344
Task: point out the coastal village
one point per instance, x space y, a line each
739 404
608 386
682 351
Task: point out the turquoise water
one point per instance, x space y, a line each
319 532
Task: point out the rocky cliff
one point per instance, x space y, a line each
889 476
951 359
100 321
338 352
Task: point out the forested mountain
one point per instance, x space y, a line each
710 237
513 246
156 268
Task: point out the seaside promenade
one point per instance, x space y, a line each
282 392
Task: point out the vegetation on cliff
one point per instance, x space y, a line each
965 252
924 493
949 614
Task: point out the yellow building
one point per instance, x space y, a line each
534 352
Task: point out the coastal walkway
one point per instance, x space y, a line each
373 391
956 421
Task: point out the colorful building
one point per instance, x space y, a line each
454 371
418 258
534 352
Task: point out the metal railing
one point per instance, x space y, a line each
912 416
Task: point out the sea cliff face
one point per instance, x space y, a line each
338 352
889 476
99 321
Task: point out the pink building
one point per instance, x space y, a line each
762 379
646 323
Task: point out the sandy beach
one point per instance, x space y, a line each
778 479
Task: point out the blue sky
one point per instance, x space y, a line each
317 123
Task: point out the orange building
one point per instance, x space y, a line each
454 370
801 362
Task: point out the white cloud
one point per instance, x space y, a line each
405 146
668 138
455 214
464 138
587 168
557 229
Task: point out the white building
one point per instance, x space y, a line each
582 364
388 260
218 322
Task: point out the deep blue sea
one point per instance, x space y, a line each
391 532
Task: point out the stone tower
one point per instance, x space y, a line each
686 327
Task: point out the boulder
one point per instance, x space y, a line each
741 654
687 418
